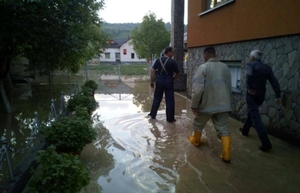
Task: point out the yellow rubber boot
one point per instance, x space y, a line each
195 140
226 140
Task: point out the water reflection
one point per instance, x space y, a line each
143 96
17 126
114 105
144 157
147 161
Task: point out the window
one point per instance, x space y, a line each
132 55
117 55
124 51
235 71
214 4
107 55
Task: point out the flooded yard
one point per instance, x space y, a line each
17 127
135 154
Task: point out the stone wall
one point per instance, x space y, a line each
283 54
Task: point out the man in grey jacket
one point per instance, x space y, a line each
211 99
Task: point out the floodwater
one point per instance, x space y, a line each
17 127
135 154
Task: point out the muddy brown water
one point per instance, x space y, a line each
135 154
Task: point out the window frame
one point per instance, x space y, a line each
117 56
214 8
235 64
107 54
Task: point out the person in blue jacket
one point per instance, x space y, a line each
164 71
257 75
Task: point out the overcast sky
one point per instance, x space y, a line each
133 11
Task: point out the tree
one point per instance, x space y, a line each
60 34
71 34
151 37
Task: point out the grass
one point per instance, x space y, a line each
125 69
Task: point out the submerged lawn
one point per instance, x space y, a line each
125 69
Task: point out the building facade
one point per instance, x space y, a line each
235 28
120 50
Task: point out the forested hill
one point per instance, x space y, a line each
122 30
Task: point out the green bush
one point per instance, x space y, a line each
58 173
86 91
91 84
70 134
80 99
81 111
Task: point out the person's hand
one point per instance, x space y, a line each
152 85
251 91
278 102
195 111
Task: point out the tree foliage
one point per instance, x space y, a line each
151 37
60 34
123 30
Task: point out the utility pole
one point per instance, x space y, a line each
177 41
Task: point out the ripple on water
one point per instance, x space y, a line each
142 154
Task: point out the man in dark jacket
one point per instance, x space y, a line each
165 71
257 75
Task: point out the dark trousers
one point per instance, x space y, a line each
160 89
254 119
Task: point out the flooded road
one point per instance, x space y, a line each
135 154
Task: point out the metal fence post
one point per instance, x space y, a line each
119 71
62 103
86 70
69 92
53 111
36 124
4 98
4 146
75 89
77 86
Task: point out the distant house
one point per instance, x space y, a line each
120 50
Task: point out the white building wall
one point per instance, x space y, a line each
112 52
123 57
129 51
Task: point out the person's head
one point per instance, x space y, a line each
169 52
209 53
255 55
